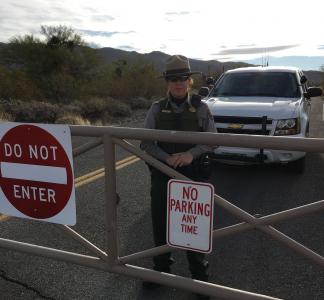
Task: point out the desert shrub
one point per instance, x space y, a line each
124 79
4 116
34 111
105 119
93 108
104 109
72 119
15 84
139 103
75 107
119 109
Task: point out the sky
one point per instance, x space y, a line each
225 30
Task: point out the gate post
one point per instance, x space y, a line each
111 200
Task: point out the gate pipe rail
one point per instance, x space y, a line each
195 286
79 238
133 271
206 138
245 216
86 147
111 203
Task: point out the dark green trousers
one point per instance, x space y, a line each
197 264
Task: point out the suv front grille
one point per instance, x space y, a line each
243 131
240 120
255 125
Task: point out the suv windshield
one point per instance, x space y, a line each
266 84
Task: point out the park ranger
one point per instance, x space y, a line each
182 112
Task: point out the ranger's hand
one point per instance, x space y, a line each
171 160
180 159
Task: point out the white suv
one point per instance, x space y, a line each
271 101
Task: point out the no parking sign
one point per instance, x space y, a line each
37 172
190 215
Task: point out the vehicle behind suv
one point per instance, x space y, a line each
273 101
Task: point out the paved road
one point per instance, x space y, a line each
248 261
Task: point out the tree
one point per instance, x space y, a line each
61 36
61 64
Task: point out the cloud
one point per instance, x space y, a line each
179 13
20 18
253 50
320 47
102 18
103 33
91 9
248 45
163 46
127 47
94 45
225 58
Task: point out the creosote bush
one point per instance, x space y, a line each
94 111
104 109
139 103
33 111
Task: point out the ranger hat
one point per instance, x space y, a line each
177 65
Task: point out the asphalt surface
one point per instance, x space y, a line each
249 261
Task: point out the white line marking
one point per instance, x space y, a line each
34 172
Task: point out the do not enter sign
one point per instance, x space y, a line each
190 215
36 172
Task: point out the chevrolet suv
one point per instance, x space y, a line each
272 101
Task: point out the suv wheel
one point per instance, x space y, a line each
297 166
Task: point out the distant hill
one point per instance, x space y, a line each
303 62
315 77
158 59
207 67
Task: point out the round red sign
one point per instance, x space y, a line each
36 174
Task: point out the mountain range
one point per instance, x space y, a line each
158 59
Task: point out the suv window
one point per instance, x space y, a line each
267 84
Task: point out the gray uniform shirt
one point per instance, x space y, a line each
205 121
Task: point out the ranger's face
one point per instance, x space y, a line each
178 86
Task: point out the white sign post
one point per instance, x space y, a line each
37 172
190 210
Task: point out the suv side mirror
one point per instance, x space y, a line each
314 92
210 80
203 91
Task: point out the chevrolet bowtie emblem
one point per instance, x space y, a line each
235 126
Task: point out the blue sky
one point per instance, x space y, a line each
208 29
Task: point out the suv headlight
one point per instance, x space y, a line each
287 127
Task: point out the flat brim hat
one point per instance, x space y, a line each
177 65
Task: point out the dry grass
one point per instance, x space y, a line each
7 117
72 119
